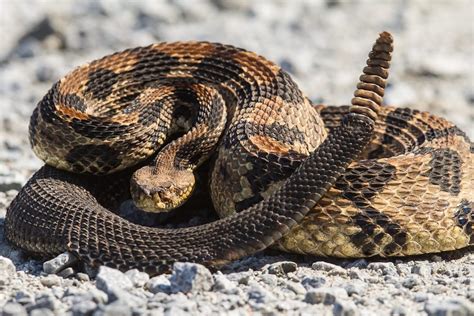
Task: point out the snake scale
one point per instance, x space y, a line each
345 181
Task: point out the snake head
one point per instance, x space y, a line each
161 191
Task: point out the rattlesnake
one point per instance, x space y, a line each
349 181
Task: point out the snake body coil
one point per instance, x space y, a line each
342 181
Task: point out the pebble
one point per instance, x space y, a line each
451 307
83 277
41 312
66 273
160 283
410 282
344 308
313 282
223 284
58 263
13 309
269 279
328 267
281 268
115 283
359 263
422 270
386 268
51 280
190 277
259 294
116 308
139 279
398 311
7 266
355 287
23 297
45 301
326 295
297 288
84 307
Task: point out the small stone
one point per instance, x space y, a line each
24 297
403 269
451 307
387 268
7 266
326 295
51 280
328 267
84 277
437 289
269 279
398 311
41 312
138 278
344 308
295 287
313 282
46 301
59 263
95 295
13 309
175 311
410 282
190 277
244 280
158 284
281 268
83 308
224 285
359 263
66 273
7 271
420 297
259 294
355 274
356 287
113 282
58 292
117 308
422 270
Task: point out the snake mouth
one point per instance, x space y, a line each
160 200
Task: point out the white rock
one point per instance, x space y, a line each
160 283
139 279
58 263
454 306
190 277
326 295
115 284
13 309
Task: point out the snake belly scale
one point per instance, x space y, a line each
349 181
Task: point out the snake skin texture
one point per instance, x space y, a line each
348 181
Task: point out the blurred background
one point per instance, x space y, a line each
322 43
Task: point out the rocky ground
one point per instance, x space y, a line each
323 44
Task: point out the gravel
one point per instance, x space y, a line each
323 44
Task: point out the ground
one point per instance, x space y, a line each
323 44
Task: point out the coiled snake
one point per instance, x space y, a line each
350 181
